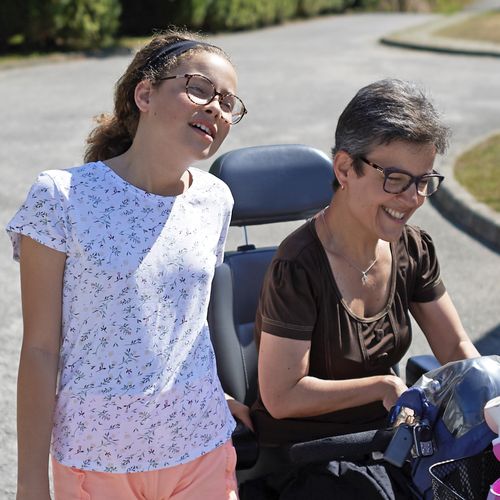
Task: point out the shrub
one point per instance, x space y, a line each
247 14
192 13
74 24
314 7
285 9
13 18
86 24
140 17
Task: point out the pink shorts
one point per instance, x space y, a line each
209 477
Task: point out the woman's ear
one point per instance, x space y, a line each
342 163
142 94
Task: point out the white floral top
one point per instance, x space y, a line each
138 388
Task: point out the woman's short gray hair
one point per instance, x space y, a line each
386 111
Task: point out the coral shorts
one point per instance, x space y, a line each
209 477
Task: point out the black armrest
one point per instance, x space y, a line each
245 443
349 446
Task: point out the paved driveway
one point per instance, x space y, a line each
295 79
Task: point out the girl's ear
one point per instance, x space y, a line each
342 163
142 94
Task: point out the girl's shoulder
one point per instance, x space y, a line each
210 183
65 178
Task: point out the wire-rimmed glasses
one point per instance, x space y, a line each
202 91
396 181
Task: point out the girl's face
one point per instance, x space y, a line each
190 131
381 213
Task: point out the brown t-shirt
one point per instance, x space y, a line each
300 300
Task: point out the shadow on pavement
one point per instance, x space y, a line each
469 222
490 342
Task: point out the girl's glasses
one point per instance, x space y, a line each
201 90
396 181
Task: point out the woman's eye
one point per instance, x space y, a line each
397 178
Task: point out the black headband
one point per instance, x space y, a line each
175 49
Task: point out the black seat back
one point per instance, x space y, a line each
269 184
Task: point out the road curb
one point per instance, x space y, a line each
460 207
452 200
423 37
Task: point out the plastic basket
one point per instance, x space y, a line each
466 478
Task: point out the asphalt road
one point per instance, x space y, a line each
295 80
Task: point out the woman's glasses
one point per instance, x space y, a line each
201 90
397 181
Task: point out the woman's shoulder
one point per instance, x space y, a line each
415 239
301 244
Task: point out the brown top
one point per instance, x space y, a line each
300 300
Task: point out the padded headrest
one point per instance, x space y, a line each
275 183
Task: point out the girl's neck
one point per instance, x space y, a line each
162 176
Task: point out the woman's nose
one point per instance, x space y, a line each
411 195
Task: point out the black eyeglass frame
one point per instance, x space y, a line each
222 95
414 179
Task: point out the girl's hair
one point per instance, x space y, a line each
386 111
115 132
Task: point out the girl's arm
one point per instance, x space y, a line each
41 289
288 391
239 411
443 329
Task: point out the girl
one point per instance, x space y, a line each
117 257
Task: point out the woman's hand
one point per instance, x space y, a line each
239 411
393 387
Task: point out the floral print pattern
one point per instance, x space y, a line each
138 387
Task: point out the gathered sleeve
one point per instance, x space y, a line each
288 306
41 217
428 283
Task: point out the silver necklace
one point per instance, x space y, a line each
364 274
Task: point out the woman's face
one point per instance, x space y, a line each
381 213
190 130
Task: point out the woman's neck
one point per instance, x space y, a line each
340 238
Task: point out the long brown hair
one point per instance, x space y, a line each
115 132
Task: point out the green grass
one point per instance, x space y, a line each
484 27
478 170
448 6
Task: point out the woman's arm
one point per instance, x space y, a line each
443 329
41 290
288 391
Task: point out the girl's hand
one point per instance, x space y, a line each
239 411
32 493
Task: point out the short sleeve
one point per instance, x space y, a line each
428 283
225 228
287 307
41 217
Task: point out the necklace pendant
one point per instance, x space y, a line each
364 278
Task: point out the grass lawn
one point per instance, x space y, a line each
484 27
448 6
478 170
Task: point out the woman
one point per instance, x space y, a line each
334 314
117 258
